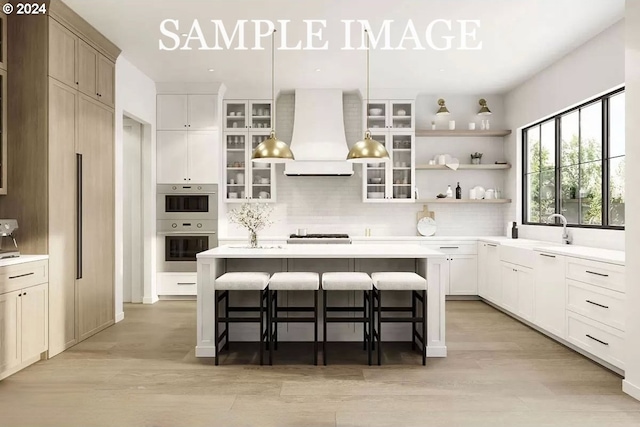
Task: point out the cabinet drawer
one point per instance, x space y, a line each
177 284
518 256
600 340
19 276
596 273
453 248
596 303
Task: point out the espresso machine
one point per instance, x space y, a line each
8 244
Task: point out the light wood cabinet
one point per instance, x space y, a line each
3 132
3 41
186 156
95 292
62 239
34 319
62 54
53 118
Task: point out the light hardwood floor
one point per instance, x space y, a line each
143 372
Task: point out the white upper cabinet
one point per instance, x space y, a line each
390 115
203 154
190 157
190 112
172 157
202 112
253 115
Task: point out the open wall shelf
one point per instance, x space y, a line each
465 133
466 201
465 167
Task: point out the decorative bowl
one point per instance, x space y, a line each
375 111
441 196
375 180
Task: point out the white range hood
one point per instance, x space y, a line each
318 142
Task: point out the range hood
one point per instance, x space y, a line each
318 142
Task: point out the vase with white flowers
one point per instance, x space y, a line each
254 217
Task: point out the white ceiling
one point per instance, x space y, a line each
519 38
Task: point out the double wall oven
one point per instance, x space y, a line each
187 224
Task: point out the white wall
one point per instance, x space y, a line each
594 68
334 204
136 98
631 383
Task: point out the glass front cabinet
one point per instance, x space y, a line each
244 179
247 115
391 123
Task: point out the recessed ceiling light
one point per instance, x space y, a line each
318 70
441 69
184 34
211 69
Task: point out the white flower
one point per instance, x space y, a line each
252 216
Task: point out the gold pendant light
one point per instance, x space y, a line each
367 149
272 150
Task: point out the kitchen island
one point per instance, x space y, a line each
429 263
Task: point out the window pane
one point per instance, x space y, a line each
533 149
570 203
591 193
533 197
616 191
569 135
548 146
616 125
547 194
591 133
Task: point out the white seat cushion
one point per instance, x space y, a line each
347 281
399 281
242 281
293 281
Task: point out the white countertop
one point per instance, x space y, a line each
22 259
585 252
323 251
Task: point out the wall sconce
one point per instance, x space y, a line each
484 110
442 111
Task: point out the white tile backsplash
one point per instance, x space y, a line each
334 204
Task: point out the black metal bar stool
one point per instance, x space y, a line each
348 281
292 281
401 281
252 282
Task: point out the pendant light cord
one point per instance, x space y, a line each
273 86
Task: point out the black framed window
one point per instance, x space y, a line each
573 164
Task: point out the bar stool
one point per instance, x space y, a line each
348 281
241 282
401 281
292 281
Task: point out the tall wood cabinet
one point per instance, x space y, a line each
3 103
61 164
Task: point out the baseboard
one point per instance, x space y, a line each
120 317
437 351
150 300
631 390
462 298
205 351
177 297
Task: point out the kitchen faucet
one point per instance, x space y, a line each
566 239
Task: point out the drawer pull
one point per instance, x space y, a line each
186 283
548 256
492 245
596 339
595 303
597 274
449 247
21 275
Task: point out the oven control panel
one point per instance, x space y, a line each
201 226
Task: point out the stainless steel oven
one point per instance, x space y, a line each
180 241
187 202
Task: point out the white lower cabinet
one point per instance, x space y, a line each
463 277
24 315
509 280
602 341
599 304
177 284
549 285
489 272
518 290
